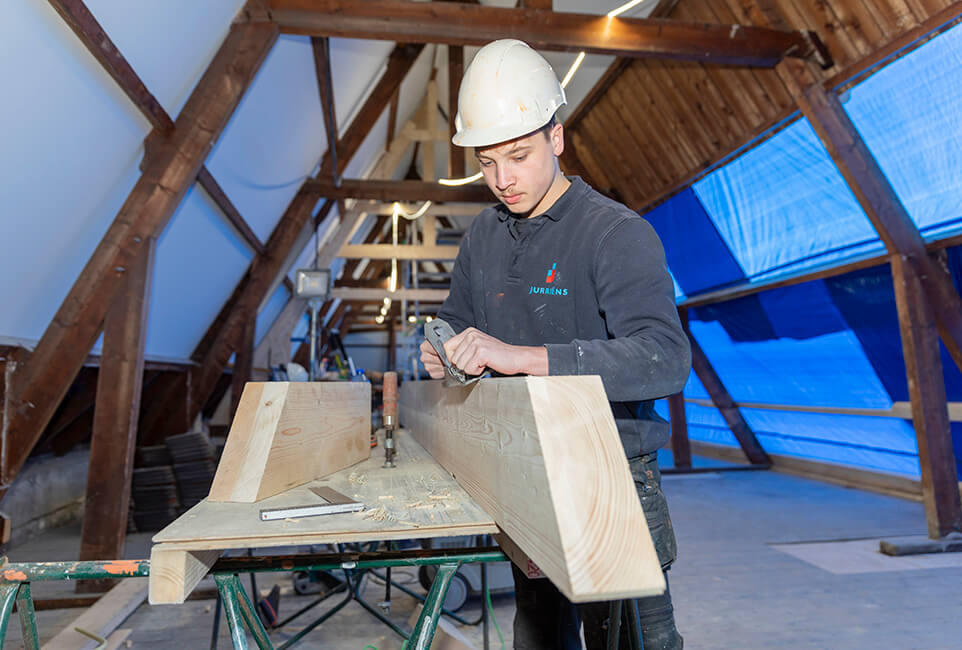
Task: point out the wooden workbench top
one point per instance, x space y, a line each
418 498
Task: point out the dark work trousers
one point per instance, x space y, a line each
546 620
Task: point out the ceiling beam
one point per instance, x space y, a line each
389 252
375 295
325 87
216 192
93 36
455 23
410 191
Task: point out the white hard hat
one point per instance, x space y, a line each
508 91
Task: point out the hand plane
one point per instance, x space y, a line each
438 332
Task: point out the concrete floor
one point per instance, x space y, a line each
752 574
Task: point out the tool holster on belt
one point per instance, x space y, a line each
647 477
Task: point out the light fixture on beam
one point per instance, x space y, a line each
312 283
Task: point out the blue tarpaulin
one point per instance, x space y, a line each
783 207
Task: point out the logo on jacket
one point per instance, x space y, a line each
550 278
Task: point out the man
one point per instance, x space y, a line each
559 280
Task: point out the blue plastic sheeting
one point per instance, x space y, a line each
910 115
696 254
866 299
828 370
784 205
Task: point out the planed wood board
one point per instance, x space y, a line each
542 456
285 434
419 498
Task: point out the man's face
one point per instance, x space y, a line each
520 171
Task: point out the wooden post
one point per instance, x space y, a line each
116 412
456 166
243 363
680 444
723 400
925 296
930 415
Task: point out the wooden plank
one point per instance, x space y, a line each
167 174
175 572
216 192
285 434
542 456
723 401
418 498
377 295
406 252
883 207
930 415
78 17
456 165
464 24
116 413
410 191
898 410
680 444
597 91
103 617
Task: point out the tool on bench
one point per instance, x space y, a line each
332 502
438 332
389 400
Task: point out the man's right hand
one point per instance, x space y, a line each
431 360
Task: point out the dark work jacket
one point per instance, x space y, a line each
588 281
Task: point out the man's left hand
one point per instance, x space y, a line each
472 351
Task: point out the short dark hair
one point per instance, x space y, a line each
546 129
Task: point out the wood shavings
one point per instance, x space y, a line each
359 479
385 497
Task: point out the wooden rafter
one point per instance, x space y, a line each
321 47
167 174
216 192
723 401
78 17
409 191
885 210
456 164
455 23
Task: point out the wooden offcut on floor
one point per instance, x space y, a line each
759 568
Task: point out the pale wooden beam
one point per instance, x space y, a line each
371 294
410 191
388 252
116 413
542 457
464 24
167 174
